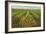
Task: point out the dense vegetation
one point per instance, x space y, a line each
26 18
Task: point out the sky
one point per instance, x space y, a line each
26 7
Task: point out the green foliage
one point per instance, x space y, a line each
26 18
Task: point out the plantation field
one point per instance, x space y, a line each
26 18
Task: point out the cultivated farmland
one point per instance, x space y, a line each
26 18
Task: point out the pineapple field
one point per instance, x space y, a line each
26 18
